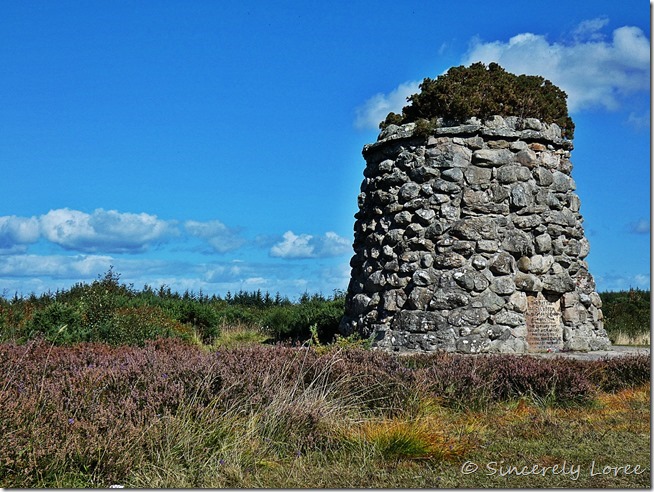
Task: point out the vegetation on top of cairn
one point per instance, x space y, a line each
480 91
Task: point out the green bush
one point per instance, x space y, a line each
295 321
627 312
231 315
202 317
99 302
59 323
135 325
15 320
279 320
108 311
480 91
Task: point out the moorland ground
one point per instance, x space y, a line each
104 385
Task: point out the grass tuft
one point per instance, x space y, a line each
639 339
239 335
394 440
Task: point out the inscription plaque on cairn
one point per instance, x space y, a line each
544 329
469 239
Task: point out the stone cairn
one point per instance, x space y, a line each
470 240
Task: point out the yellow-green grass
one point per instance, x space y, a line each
239 334
509 445
621 338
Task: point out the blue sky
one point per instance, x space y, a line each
215 146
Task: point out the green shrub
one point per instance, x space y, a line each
135 325
295 321
233 315
99 302
279 320
480 91
202 317
15 319
59 323
626 311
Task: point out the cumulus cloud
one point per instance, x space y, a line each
254 282
592 71
108 231
642 280
220 237
229 272
333 245
337 276
33 273
375 109
16 233
293 246
308 246
104 231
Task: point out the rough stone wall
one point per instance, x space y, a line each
471 240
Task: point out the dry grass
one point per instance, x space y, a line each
642 339
239 335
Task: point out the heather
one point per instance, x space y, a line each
174 414
104 384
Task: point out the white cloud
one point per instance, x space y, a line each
375 109
55 266
590 29
293 246
16 233
337 276
308 246
220 273
107 231
31 273
251 282
591 71
220 237
104 231
333 245
617 282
